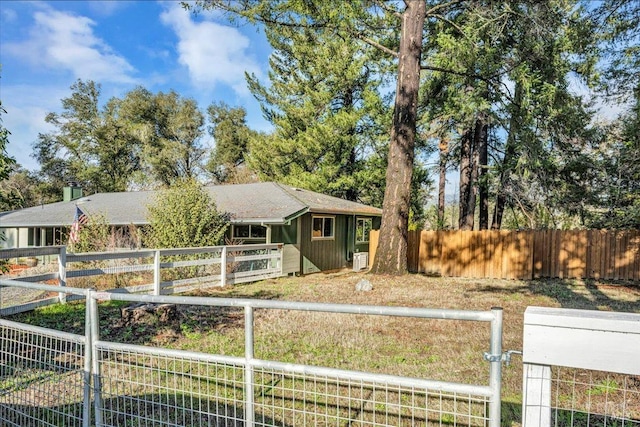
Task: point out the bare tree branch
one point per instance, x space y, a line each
375 44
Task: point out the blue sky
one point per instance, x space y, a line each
45 46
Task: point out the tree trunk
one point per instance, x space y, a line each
473 181
465 219
483 185
444 151
391 255
482 146
349 167
509 156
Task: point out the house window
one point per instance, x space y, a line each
250 232
363 228
322 227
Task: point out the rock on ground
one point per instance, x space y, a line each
364 285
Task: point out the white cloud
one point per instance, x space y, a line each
213 53
9 15
26 108
59 40
107 8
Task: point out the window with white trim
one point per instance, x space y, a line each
363 228
322 227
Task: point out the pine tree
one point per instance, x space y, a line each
324 103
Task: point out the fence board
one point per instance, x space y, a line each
527 254
635 253
481 253
602 261
547 264
525 250
413 250
636 245
629 252
591 252
596 254
611 256
433 242
374 236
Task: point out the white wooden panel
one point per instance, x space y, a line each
583 319
536 401
595 340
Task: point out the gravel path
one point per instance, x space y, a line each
16 296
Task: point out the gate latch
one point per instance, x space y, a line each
504 357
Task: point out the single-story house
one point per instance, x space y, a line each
319 232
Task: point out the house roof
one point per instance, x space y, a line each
258 203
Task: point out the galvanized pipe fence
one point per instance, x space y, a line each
155 386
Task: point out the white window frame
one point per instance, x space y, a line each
324 218
366 235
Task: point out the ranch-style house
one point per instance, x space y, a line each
319 232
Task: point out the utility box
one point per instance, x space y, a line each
360 261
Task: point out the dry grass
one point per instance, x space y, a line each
432 349
443 350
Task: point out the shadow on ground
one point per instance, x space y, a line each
577 294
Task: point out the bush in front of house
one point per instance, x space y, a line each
184 216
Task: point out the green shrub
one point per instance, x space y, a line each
93 236
184 216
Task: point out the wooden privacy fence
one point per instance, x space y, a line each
596 254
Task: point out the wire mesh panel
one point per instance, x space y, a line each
592 398
41 377
286 399
44 378
139 388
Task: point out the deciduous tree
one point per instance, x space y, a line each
6 161
231 136
144 137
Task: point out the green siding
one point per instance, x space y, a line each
287 234
324 254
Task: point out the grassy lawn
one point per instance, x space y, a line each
433 349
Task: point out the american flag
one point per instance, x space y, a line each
79 219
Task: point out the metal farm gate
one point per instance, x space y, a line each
53 378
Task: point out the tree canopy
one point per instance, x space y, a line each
142 139
6 161
361 93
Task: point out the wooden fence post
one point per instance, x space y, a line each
374 236
536 399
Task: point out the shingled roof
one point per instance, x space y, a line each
258 203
